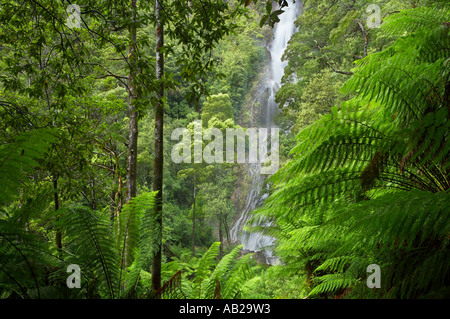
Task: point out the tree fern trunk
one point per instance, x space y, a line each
159 155
309 273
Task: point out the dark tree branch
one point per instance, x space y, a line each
338 71
364 34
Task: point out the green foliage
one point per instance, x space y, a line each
218 106
23 253
331 37
89 240
102 253
369 182
207 278
21 157
240 59
366 182
23 259
197 28
70 181
138 232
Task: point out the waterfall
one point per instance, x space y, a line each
265 97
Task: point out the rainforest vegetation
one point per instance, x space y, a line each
91 91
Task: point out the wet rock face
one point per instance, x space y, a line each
261 257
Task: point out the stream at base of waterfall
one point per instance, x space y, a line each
271 82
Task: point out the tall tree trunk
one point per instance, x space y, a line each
220 238
116 193
133 125
447 96
112 208
227 229
58 237
159 155
94 201
193 219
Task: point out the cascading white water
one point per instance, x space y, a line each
266 96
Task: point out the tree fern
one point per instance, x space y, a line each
228 276
20 157
100 249
369 182
237 278
331 283
23 254
413 20
213 279
138 230
90 244
205 266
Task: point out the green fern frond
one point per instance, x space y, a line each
331 283
91 243
237 278
410 21
21 254
204 269
414 218
221 269
20 157
139 230
369 183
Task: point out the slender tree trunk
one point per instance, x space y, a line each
119 186
116 193
112 208
94 201
58 237
220 238
133 126
159 155
366 39
193 221
447 96
227 230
